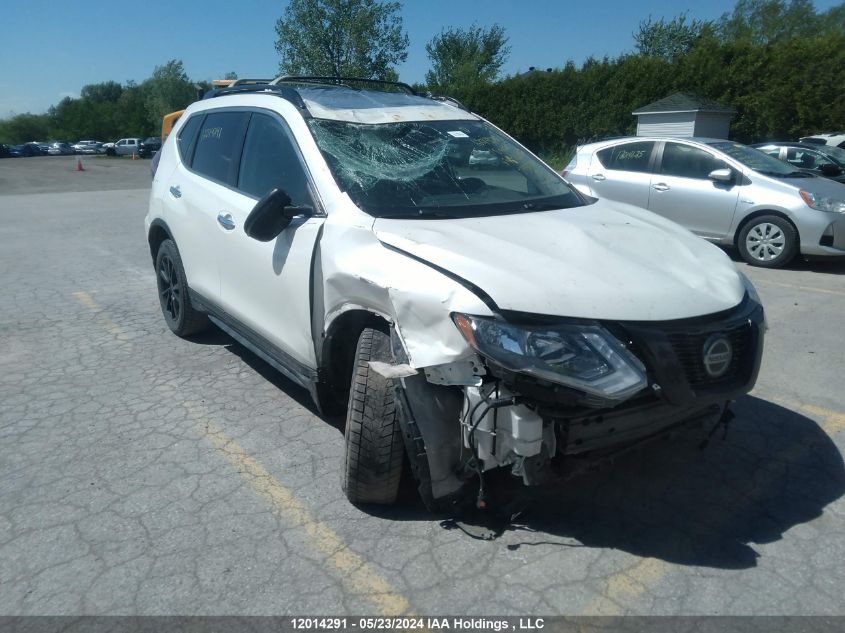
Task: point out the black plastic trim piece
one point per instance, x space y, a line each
478 292
291 368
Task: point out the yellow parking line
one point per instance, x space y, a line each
798 287
354 572
113 328
626 585
830 421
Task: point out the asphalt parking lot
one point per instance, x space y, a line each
144 474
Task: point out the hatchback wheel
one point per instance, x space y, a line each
768 241
179 314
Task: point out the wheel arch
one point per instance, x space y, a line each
337 351
159 231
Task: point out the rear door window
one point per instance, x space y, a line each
686 161
627 157
218 146
271 161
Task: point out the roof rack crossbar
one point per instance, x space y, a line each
339 81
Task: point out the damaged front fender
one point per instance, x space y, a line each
414 298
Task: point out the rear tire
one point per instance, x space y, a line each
372 465
180 316
768 241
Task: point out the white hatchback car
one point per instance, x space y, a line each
723 191
466 317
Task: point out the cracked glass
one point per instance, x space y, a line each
437 169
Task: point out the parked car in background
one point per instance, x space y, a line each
87 147
484 157
822 160
94 148
43 147
60 148
26 150
108 148
833 138
127 146
5 151
149 146
723 191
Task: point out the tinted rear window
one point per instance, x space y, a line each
627 157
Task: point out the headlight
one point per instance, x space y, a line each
584 357
815 201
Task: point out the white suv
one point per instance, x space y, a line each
465 316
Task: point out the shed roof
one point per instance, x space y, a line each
682 102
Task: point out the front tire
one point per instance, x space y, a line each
768 241
372 465
180 316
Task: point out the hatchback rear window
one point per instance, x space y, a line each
628 156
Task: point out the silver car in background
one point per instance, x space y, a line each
723 191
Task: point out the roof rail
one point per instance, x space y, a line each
339 81
446 99
285 92
242 82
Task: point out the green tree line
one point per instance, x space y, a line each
780 63
108 110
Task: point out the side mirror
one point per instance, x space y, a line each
721 175
829 169
271 215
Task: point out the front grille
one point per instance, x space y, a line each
689 348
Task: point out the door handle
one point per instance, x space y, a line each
176 192
225 220
660 187
598 177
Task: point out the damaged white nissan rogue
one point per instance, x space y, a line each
466 314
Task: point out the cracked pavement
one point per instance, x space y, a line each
145 474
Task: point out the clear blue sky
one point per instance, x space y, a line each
51 48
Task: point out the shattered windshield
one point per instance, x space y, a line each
437 169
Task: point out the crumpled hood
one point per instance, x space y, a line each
607 260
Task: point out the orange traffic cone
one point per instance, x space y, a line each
133 156
79 166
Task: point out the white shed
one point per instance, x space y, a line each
684 115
